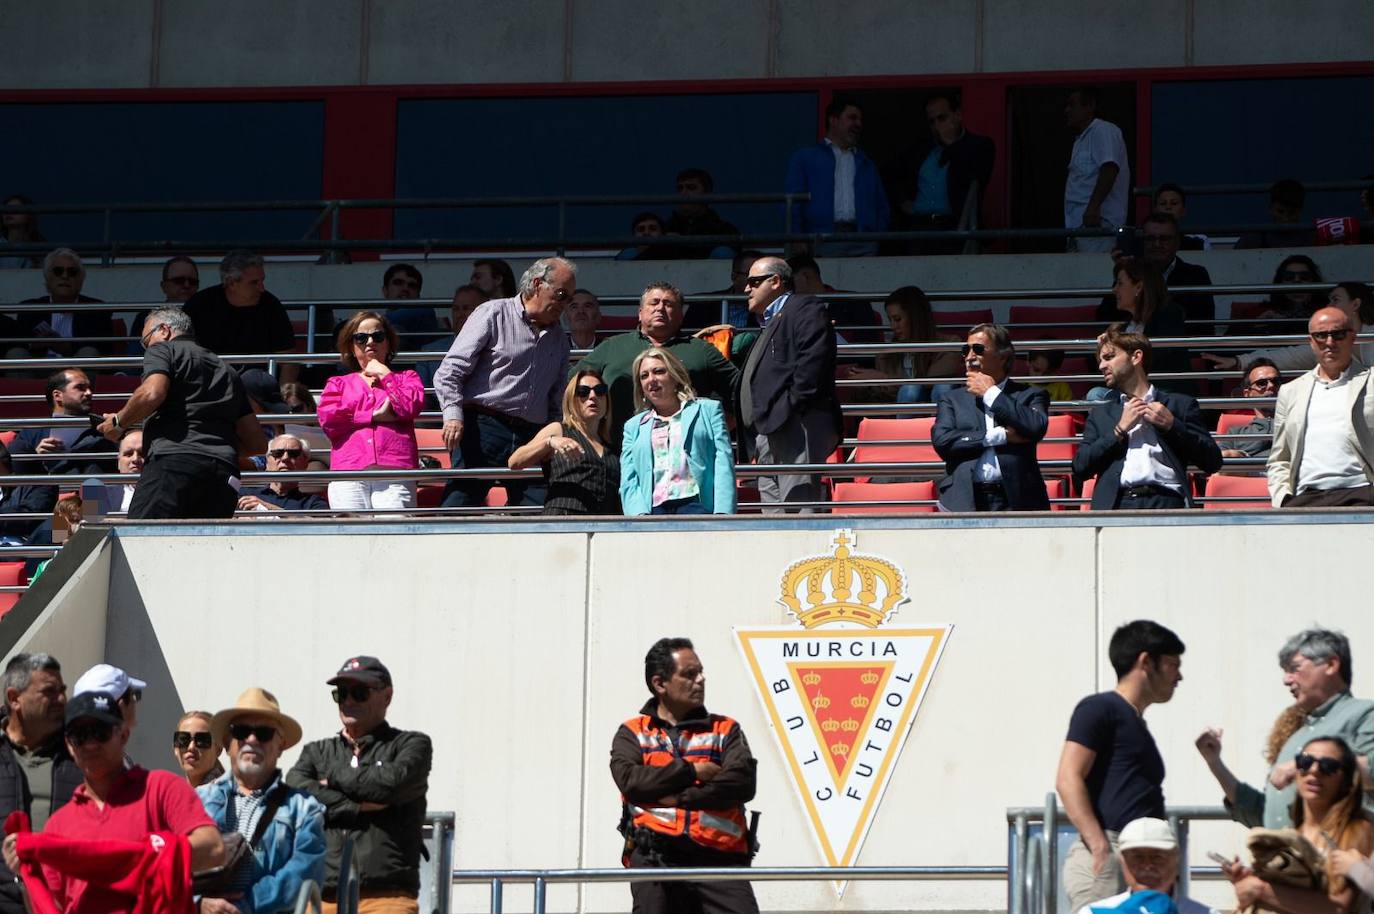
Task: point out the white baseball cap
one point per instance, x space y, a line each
1147 833
108 679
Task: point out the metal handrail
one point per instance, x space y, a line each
309 898
348 889
1206 189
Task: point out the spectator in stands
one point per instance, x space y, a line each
1140 295
676 456
1170 198
690 218
1043 364
1097 193
1289 307
372 779
581 468
954 161
1140 443
19 228
1149 861
1161 238
369 416
180 280
1324 424
660 325
465 301
297 397
67 517
648 226
195 748
986 432
912 321
116 802
681 812
239 316
197 425
1316 667
1110 771
732 313
500 381
787 401
403 282
131 459
64 275
1354 298
846 315
494 277
1286 200
282 825
36 769
264 395
846 192
1262 379
584 316
111 680
285 454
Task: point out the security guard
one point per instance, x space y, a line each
684 777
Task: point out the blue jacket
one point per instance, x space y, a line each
812 170
708 455
290 852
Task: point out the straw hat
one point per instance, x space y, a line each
257 703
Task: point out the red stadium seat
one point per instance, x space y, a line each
32 407
11 575
433 437
1087 493
1257 486
429 495
1044 322
1057 488
1228 421
496 497
896 430
1061 426
873 491
961 321
617 323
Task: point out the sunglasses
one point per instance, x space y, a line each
279 453
1325 766
183 280
356 694
583 391
182 739
1260 383
1297 276
1321 336
376 336
66 272
753 282
133 696
241 732
95 732
975 348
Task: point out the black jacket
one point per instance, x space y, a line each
958 436
15 795
98 456
84 323
794 372
393 768
969 159
1196 306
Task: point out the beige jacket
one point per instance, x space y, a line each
1290 428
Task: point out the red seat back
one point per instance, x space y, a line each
1061 426
433 437
896 430
893 492
1228 421
1045 322
1257 486
959 322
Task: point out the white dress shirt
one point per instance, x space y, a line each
989 470
845 171
1145 464
1329 460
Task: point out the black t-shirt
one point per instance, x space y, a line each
205 400
1126 780
225 329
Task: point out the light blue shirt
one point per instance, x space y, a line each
774 309
932 186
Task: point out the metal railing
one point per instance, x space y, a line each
308 899
1204 190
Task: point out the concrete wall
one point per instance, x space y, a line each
194 43
519 650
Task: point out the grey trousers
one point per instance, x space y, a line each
806 438
1081 884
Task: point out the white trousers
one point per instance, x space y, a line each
360 494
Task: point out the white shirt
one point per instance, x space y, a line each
845 171
1329 460
126 495
1145 464
989 470
63 322
1099 143
1185 905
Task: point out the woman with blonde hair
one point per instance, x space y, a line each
582 472
675 457
195 748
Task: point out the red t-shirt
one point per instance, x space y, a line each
141 803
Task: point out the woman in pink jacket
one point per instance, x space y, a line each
369 416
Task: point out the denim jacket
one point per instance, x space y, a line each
290 852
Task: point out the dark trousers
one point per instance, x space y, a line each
990 496
689 897
488 441
1358 497
1148 498
180 486
691 505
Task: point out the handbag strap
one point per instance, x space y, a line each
273 801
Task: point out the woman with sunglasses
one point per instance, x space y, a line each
1354 298
369 416
675 458
195 749
581 470
1328 811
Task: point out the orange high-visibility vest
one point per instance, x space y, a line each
718 829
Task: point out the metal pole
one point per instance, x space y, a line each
310 328
1016 866
1050 885
335 255
1180 827
496 896
539 890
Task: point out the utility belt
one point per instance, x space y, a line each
652 845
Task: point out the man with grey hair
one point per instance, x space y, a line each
788 398
1317 673
502 379
285 454
199 425
239 316
64 275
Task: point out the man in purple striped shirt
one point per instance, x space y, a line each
502 379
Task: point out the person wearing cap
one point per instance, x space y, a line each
285 454
288 848
115 803
113 681
372 779
1148 851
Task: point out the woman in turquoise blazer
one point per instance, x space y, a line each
676 456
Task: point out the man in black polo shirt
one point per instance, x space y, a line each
239 316
1110 771
199 423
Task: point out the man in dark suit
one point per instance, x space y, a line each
986 432
787 388
1140 443
1160 240
945 170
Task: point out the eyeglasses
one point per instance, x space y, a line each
183 280
1321 336
182 739
66 272
753 282
975 348
132 696
279 453
583 391
356 693
1297 276
94 732
376 336
143 340
1262 383
1325 766
241 732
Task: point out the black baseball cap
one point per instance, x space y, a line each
265 389
367 670
99 706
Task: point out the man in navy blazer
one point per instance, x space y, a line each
846 192
986 432
787 389
1139 443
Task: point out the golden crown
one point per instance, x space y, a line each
858 701
849 725
812 678
830 726
843 587
868 678
820 702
